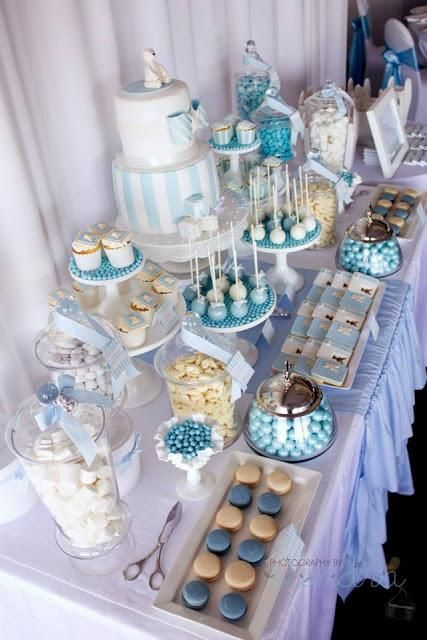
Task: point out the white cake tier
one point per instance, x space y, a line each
156 126
151 201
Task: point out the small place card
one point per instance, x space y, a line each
166 317
268 331
240 371
374 328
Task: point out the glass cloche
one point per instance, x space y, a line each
369 246
251 82
290 419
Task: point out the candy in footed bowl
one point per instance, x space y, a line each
370 247
290 419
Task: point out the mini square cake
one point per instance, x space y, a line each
132 328
332 296
85 242
149 272
146 304
324 278
300 326
280 361
341 280
303 366
325 311
351 318
343 334
315 293
331 351
363 284
318 328
165 283
358 302
306 308
311 348
329 372
293 345
59 295
100 228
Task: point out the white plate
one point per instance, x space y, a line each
269 577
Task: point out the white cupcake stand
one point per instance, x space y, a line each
233 179
116 298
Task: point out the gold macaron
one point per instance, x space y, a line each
279 482
263 528
207 566
240 575
229 518
248 474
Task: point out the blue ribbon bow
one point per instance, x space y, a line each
124 462
58 401
183 123
394 61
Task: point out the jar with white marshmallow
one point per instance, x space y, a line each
60 354
329 115
82 499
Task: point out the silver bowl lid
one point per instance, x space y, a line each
288 394
370 229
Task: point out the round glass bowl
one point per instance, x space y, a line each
290 419
369 246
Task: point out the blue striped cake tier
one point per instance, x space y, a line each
151 201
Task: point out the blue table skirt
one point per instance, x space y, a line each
383 395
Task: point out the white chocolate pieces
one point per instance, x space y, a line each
328 133
323 206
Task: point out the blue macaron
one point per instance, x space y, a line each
195 594
240 496
218 541
269 504
232 606
251 551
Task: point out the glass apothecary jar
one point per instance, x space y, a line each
369 246
251 83
82 500
61 354
330 115
323 204
198 383
290 419
274 130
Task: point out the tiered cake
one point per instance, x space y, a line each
162 163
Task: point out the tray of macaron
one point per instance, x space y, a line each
222 579
403 209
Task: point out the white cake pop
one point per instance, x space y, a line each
238 291
277 235
310 223
222 284
298 231
213 296
258 232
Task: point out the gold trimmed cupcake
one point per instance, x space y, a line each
146 304
132 329
118 248
166 286
87 251
149 272
100 229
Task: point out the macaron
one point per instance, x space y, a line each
248 474
269 503
279 482
263 528
396 221
251 551
389 193
382 206
229 518
240 575
408 195
232 606
401 210
240 496
195 594
207 566
218 541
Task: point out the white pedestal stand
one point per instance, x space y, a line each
233 179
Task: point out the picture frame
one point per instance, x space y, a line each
388 133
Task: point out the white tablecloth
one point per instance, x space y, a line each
406 175
43 597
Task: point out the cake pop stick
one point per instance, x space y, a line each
294 184
197 274
275 205
211 260
288 191
219 255
233 248
250 196
268 183
191 261
306 190
301 185
256 207
255 259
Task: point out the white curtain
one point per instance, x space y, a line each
61 62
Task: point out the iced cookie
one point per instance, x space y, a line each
279 482
207 566
229 518
248 474
240 575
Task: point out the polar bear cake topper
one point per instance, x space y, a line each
155 73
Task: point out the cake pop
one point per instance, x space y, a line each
259 295
199 305
211 296
239 308
310 223
217 311
277 235
288 223
238 291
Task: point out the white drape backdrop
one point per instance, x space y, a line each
61 62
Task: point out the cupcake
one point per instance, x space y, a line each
222 133
149 272
87 294
166 287
100 229
245 132
146 304
118 248
132 329
87 251
57 296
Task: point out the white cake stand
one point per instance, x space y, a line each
145 387
281 274
233 179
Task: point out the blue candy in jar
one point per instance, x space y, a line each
250 91
274 130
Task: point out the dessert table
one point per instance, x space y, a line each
367 459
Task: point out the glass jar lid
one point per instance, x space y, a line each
265 115
329 95
370 229
288 394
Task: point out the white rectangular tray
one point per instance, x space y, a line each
260 600
416 217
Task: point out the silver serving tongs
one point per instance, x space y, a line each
155 580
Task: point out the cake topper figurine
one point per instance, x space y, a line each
155 74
